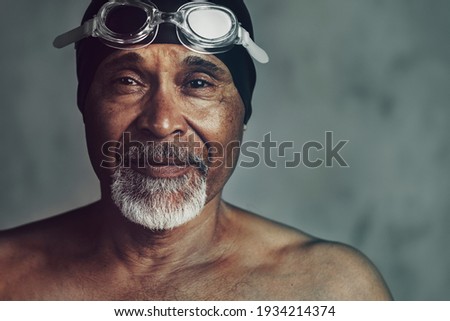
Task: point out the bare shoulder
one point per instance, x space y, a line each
39 233
29 250
342 272
308 268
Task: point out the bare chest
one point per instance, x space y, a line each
239 284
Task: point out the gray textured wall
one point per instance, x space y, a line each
375 72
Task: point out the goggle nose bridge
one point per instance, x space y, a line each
176 18
169 17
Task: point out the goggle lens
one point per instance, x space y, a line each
126 20
209 23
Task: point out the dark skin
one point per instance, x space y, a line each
225 253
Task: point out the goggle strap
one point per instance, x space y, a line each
74 35
253 49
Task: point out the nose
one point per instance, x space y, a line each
162 115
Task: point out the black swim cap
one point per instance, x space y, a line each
90 52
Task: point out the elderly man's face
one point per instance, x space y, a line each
166 93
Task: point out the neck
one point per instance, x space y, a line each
139 248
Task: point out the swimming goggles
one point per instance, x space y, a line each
202 27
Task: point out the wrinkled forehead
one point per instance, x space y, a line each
167 57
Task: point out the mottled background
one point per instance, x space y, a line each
375 72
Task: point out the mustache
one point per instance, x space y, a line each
165 153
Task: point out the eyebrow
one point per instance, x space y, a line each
196 61
133 58
128 58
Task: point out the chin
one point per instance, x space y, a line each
158 203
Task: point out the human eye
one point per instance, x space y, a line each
123 85
198 84
127 81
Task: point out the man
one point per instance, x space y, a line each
165 95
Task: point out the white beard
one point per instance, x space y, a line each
158 203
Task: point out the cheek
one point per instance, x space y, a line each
225 136
105 125
222 119
105 119
229 128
